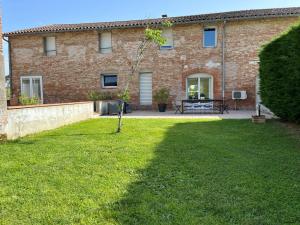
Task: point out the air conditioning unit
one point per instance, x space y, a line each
239 95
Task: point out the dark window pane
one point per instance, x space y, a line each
110 80
209 37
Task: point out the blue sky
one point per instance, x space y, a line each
18 14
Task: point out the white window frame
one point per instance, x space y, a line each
31 89
198 76
46 52
167 47
100 43
109 74
216 37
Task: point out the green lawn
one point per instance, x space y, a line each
202 172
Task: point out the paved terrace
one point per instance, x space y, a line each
240 114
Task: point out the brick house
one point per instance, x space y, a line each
207 55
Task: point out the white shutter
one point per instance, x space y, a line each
50 46
105 42
146 89
168 35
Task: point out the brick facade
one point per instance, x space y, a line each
77 67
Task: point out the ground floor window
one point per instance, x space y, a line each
109 80
31 86
199 86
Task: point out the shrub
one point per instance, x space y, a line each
162 96
99 96
93 96
125 96
280 75
25 100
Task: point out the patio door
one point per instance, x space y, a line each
199 86
146 89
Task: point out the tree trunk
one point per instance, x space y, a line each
120 115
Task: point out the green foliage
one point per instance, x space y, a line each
167 23
125 96
156 172
93 96
162 96
154 35
280 75
25 100
8 93
101 96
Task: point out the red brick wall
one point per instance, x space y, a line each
76 69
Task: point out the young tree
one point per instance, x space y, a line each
151 36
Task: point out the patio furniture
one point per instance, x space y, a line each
177 106
203 106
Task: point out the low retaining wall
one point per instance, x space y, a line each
24 120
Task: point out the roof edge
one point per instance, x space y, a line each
201 18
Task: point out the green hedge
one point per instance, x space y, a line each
280 75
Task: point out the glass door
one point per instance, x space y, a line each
204 88
199 88
192 88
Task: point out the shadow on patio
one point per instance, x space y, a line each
211 173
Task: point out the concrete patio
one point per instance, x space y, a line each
239 114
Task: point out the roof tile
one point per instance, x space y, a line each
234 15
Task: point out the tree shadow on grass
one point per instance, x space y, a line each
211 173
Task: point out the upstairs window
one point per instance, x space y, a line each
210 38
109 81
105 42
50 46
168 35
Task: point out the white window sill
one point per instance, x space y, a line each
109 87
166 48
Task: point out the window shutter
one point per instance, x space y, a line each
45 46
210 37
50 46
146 89
105 42
168 35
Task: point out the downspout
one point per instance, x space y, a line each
223 60
9 63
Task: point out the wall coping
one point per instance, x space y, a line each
46 105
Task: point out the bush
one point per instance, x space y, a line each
99 96
24 100
162 96
280 75
125 96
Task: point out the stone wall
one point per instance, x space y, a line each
25 120
76 69
3 102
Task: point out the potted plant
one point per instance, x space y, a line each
258 118
25 100
125 97
162 97
202 96
93 96
102 100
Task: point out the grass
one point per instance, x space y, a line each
165 171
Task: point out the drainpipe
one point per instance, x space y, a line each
9 63
223 60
